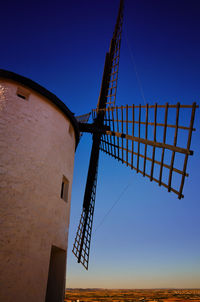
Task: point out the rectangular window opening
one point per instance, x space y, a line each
22 93
64 189
21 96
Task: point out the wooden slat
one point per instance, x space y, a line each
164 140
139 138
110 96
127 134
151 143
114 72
109 124
188 147
154 138
113 129
122 125
112 81
116 57
146 135
112 87
160 124
117 131
133 118
112 102
108 147
173 153
151 106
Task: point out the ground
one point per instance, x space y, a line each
126 295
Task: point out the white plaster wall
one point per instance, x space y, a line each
36 150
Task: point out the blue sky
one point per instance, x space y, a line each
150 238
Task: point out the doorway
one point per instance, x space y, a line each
56 276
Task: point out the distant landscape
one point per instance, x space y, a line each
129 295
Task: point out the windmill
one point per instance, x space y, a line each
146 138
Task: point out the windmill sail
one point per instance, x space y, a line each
154 140
81 248
113 64
83 118
148 139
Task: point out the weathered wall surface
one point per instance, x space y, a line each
36 150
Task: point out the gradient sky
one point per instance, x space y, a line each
150 238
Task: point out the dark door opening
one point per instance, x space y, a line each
56 277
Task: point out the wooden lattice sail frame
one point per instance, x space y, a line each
129 141
81 247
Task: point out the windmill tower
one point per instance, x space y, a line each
39 137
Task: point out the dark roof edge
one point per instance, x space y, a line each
44 92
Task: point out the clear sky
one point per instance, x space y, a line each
150 238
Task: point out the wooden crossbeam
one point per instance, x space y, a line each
153 106
158 124
150 143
